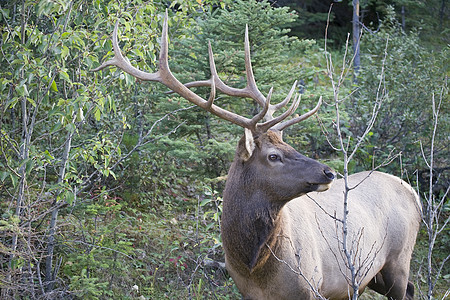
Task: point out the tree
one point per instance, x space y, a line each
61 142
412 75
356 37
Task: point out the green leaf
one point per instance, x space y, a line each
22 90
97 114
14 179
64 52
205 201
48 155
11 103
31 101
80 115
70 197
29 166
53 86
3 175
112 105
64 76
113 174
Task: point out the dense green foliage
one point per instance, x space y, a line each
412 75
110 188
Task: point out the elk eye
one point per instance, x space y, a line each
273 157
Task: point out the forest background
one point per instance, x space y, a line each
111 188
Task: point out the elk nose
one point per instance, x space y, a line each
329 173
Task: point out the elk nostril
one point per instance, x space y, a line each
330 175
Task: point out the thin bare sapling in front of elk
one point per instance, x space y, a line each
280 228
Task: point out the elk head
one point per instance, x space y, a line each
262 142
279 169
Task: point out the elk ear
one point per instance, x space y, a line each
249 145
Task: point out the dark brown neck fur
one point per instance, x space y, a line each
250 222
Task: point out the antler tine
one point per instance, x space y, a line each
164 51
251 83
288 97
272 123
275 107
283 125
250 91
263 112
212 95
165 76
121 62
221 86
169 80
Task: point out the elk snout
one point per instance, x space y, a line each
330 176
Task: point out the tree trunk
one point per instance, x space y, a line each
403 18
23 155
441 14
356 38
50 275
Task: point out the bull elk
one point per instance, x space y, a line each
280 221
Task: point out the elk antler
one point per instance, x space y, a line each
165 76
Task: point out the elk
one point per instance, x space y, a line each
280 219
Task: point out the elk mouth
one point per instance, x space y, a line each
322 187
319 187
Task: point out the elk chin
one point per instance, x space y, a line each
323 187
